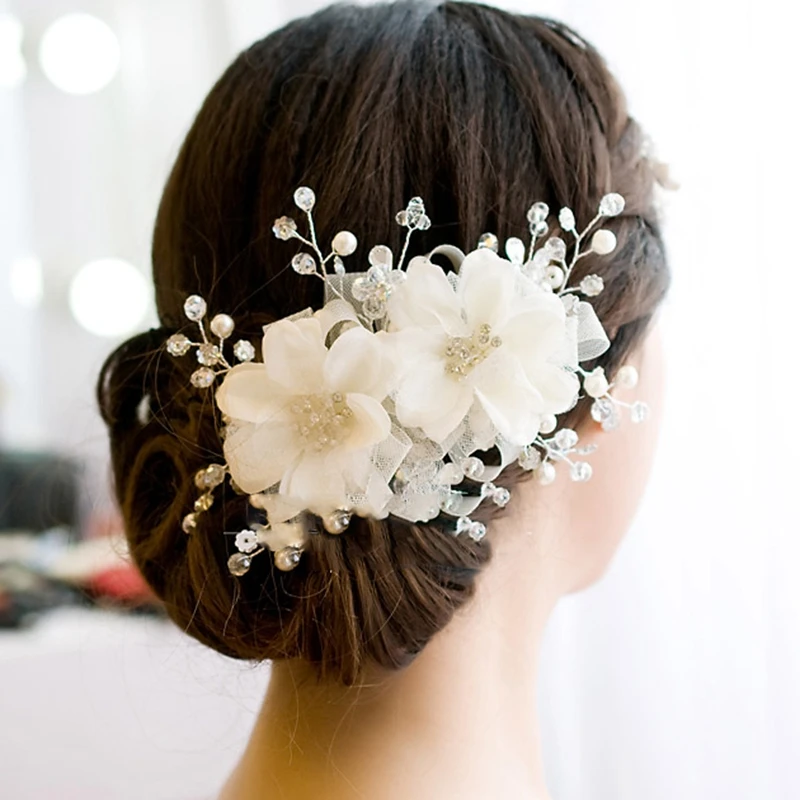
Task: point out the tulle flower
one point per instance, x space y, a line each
307 419
493 341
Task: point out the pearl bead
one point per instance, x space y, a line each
548 423
545 473
287 558
604 242
239 564
595 384
555 276
222 326
338 521
627 377
344 243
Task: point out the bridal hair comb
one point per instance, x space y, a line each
412 389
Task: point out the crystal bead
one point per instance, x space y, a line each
338 266
570 303
208 354
499 495
189 523
477 531
557 248
605 412
337 521
488 241
612 205
540 228
595 384
304 264
538 212
344 243
545 473
566 219
380 255
604 242
541 258
627 377
287 558
178 345
451 502
204 502
401 218
555 277
246 541
202 378
423 222
592 285
194 308
284 228
222 325
580 471
304 198
473 467
548 423
462 525
530 457
515 250
639 412
565 439
374 307
244 350
239 564
451 474
210 477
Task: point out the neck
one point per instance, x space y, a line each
459 722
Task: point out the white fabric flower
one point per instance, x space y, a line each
495 339
246 541
308 417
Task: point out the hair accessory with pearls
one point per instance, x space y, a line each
412 389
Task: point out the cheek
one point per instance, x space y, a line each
605 506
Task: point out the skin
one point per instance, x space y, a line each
461 720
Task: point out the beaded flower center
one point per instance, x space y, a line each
464 353
322 421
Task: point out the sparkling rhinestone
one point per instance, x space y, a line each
566 219
239 564
592 285
304 264
556 247
530 457
304 198
194 308
244 351
338 266
222 325
548 423
627 377
287 558
204 502
515 250
374 307
604 242
640 411
488 241
246 541
580 471
337 522
605 412
344 243
538 212
189 523
612 205
477 531
451 474
555 277
208 354
380 255
565 439
178 345
284 228
202 378
545 473
473 467
210 477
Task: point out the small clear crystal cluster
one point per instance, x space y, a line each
448 485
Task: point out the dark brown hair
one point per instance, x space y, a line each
478 111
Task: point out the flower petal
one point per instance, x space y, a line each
371 423
539 331
247 394
486 286
259 455
315 484
294 353
426 299
557 386
356 363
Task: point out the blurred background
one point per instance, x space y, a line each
678 676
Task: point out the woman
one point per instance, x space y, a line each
403 641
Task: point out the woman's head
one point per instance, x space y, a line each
479 112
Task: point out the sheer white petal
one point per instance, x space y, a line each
371 423
486 285
294 352
315 483
247 394
557 386
426 299
355 363
538 332
258 455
